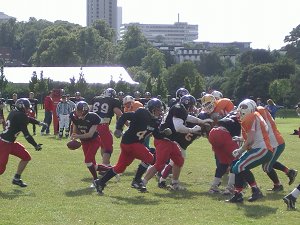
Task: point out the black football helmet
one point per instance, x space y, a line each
147 94
83 107
22 104
188 101
110 92
181 92
121 94
153 105
137 94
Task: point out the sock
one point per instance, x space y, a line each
281 167
109 174
102 168
142 168
167 170
145 182
161 179
216 181
17 177
175 182
231 179
273 176
295 192
93 171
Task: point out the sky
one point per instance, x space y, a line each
264 23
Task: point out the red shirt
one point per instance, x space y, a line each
48 103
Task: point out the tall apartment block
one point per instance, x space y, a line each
104 10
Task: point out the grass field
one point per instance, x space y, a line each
58 191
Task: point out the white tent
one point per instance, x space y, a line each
101 75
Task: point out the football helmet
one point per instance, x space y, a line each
155 107
110 92
246 107
208 102
147 94
181 92
82 108
127 98
23 105
188 101
121 94
137 94
77 93
217 94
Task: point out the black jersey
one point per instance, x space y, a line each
75 100
172 102
142 124
16 122
84 125
34 103
178 111
231 123
104 107
11 104
184 140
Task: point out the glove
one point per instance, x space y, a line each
196 129
237 139
118 133
237 152
43 124
167 132
38 147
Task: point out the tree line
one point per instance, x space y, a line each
258 72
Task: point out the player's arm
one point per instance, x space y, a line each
122 120
28 137
85 135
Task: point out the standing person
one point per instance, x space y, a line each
2 106
77 97
259 102
34 110
130 105
179 93
272 108
121 96
143 122
10 103
278 144
257 148
290 199
166 145
17 122
63 111
49 107
85 128
106 107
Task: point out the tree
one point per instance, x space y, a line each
3 81
210 64
160 88
199 87
293 44
279 89
256 56
33 81
104 30
154 62
81 84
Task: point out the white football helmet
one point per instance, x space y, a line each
217 94
208 102
127 98
246 107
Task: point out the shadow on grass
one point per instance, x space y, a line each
80 192
184 194
134 200
15 193
257 211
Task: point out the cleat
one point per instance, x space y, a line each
276 188
290 201
256 194
19 183
214 189
292 175
139 185
99 186
236 198
228 191
162 184
176 187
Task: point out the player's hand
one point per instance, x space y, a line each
118 133
43 124
196 130
167 132
38 147
237 139
237 152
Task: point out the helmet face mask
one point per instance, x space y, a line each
189 102
23 105
155 107
181 92
208 102
245 108
217 94
110 92
82 108
127 99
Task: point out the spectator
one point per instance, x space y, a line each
48 106
272 108
10 103
298 109
259 102
34 111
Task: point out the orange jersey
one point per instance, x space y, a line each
222 108
274 134
133 107
255 122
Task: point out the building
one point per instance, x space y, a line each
166 34
104 10
241 46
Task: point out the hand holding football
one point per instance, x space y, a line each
74 144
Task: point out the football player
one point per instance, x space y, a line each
179 93
166 145
256 150
2 106
10 103
77 97
290 199
278 145
85 128
17 122
106 107
34 110
143 122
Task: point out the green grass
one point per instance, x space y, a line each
59 193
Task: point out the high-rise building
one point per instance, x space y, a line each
104 10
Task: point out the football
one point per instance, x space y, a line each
73 144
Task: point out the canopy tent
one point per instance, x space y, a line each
101 75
